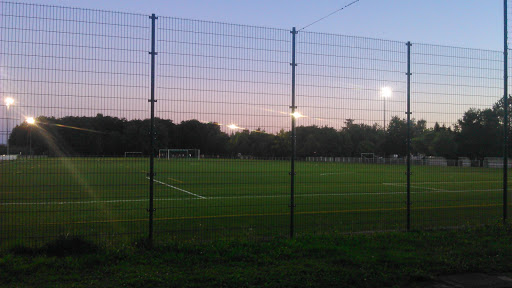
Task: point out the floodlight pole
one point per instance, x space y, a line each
294 138
505 111
384 96
30 140
151 210
7 131
8 102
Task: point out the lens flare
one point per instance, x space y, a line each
9 101
386 92
31 120
296 115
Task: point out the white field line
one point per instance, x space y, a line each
325 174
179 189
238 197
452 182
75 202
343 194
404 184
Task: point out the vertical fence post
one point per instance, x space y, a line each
505 111
152 130
408 149
294 138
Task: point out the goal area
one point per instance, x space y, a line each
179 154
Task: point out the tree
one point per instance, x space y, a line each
240 143
204 136
443 144
396 136
318 141
360 138
479 133
281 145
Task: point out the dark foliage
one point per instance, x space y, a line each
476 135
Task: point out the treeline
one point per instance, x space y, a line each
479 133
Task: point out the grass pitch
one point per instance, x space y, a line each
107 198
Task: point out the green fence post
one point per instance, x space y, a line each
294 138
505 112
408 149
151 210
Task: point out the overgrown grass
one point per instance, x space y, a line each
395 259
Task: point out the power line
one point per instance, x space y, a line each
329 15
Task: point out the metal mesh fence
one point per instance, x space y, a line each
458 146
507 193
348 89
79 75
222 162
227 88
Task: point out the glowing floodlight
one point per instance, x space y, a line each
296 115
386 92
233 126
8 102
31 120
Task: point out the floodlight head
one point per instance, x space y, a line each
296 115
31 120
386 92
9 101
233 126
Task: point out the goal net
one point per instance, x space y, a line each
368 157
133 155
179 153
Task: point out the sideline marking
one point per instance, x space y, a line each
325 174
452 182
239 197
165 184
420 187
269 214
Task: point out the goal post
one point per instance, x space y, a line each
133 155
368 157
179 154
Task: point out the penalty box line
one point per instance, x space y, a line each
179 189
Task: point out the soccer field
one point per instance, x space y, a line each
107 198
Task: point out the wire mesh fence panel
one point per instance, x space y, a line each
508 141
224 91
506 68
77 150
352 94
457 139
73 82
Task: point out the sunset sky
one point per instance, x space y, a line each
463 23
240 75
